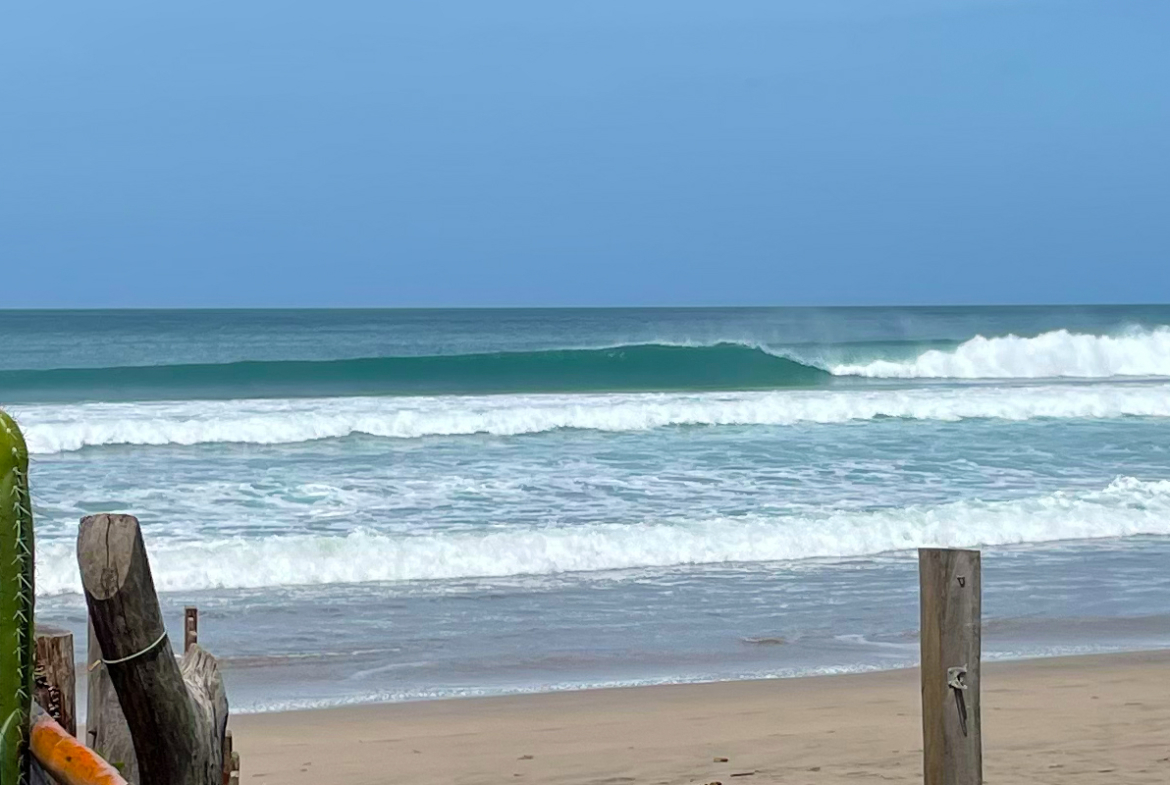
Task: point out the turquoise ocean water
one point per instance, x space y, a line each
387 505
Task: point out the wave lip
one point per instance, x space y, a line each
1051 355
55 429
722 366
1128 506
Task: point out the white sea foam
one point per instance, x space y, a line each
1056 354
1128 506
53 429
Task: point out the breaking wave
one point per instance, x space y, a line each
1128 506
54 429
1051 355
650 367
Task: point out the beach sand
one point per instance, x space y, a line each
1092 719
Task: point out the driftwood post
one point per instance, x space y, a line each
949 583
177 714
190 627
54 678
106 732
228 758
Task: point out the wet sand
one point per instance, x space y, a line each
1094 719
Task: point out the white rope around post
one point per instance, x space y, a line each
103 661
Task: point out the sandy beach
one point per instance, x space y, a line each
1092 719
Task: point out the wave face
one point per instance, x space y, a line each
1051 355
628 368
54 429
723 366
1128 506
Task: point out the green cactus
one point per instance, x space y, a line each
17 650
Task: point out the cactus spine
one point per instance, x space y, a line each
17 650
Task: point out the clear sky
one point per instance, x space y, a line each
624 152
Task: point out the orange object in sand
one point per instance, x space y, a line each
68 760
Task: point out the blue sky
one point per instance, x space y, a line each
641 152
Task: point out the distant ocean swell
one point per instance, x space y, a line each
723 366
65 428
1125 507
640 367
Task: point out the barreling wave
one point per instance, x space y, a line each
1126 507
1056 354
723 366
53 429
647 367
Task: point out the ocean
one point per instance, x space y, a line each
379 505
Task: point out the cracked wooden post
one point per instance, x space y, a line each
55 679
177 714
949 585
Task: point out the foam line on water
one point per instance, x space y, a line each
1128 506
53 429
1060 353
266 704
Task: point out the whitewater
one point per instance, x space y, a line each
1056 354
1125 507
386 505
68 428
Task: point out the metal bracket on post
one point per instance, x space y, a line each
955 677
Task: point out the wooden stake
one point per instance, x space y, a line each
177 715
950 586
56 680
227 758
190 627
106 732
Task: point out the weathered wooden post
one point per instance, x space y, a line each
55 679
177 715
190 627
949 584
106 731
228 763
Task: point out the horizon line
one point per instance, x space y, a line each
874 306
